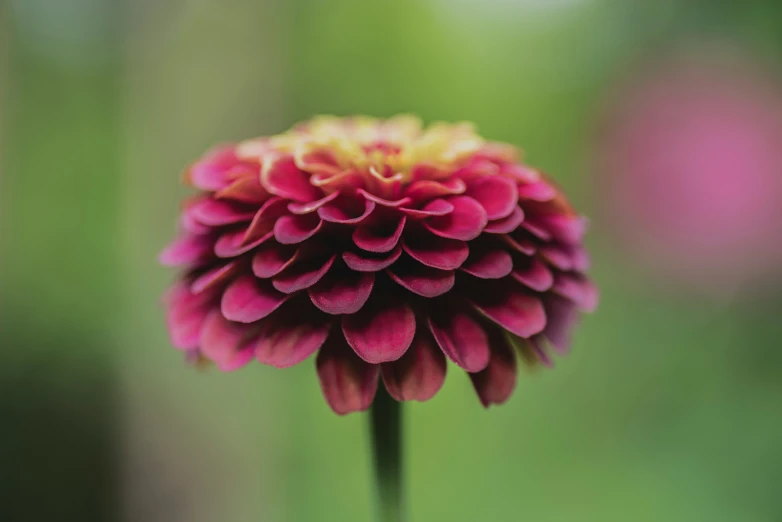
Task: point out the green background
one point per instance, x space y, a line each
668 409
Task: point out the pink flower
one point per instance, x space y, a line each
385 248
691 167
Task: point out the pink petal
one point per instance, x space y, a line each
186 315
421 279
187 250
436 207
436 252
578 289
365 262
189 224
290 230
521 244
562 316
537 231
533 273
348 383
507 224
273 259
537 191
214 277
249 299
283 344
379 237
216 213
232 244
345 215
384 202
520 173
419 374
429 189
265 218
495 384
513 309
222 342
303 274
460 337
568 229
247 189
342 291
496 194
381 331
312 206
281 177
488 263
466 222
211 172
557 256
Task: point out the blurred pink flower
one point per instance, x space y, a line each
690 167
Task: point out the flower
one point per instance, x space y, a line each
691 169
385 248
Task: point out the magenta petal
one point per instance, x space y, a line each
421 279
495 384
558 256
214 277
497 195
466 222
286 343
521 244
231 244
562 316
488 263
189 224
186 250
211 172
379 237
342 291
384 202
337 214
381 331
302 275
246 189
533 273
290 230
578 289
437 207
436 252
281 176
312 206
537 231
217 213
222 342
186 315
265 218
419 374
460 337
537 191
369 262
348 383
507 224
249 299
273 259
518 312
568 229
429 189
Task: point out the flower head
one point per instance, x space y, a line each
384 247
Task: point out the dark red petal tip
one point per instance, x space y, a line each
419 374
348 383
381 331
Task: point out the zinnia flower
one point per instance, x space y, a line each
385 248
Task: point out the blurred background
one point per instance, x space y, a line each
662 119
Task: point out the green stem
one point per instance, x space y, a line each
386 428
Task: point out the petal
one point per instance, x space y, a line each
211 172
436 207
465 222
249 299
281 177
214 277
364 262
232 244
216 213
290 230
186 315
459 336
513 309
421 279
303 274
533 273
419 374
265 218
429 189
285 343
384 202
436 252
521 244
562 316
312 206
187 250
537 231
568 229
578 289
382 330
342 291
497 195
247 189
488 263
557 256
346 214
273 259
495 384
379 237
537 191
222 342
348 383
507 224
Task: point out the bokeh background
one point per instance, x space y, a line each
661 118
